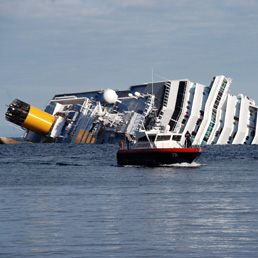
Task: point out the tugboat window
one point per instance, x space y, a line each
176 137
163 138
145 139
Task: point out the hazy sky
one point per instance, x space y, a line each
50 47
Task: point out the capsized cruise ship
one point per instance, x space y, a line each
209 113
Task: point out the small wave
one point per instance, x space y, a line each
71 164
176 165
185 165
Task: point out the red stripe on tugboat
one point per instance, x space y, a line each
171 150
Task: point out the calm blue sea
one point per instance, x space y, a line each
59 200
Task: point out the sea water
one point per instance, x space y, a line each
65 200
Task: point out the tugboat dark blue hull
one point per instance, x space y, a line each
157 157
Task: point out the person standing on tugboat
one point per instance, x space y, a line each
188 141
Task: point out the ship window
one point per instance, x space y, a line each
163 138
176 137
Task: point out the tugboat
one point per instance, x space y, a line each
157 148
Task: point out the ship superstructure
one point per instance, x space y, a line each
209 113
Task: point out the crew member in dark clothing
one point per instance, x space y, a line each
188 141
127 143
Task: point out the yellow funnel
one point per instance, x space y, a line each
29 117
38 121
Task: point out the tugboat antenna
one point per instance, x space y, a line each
152 82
